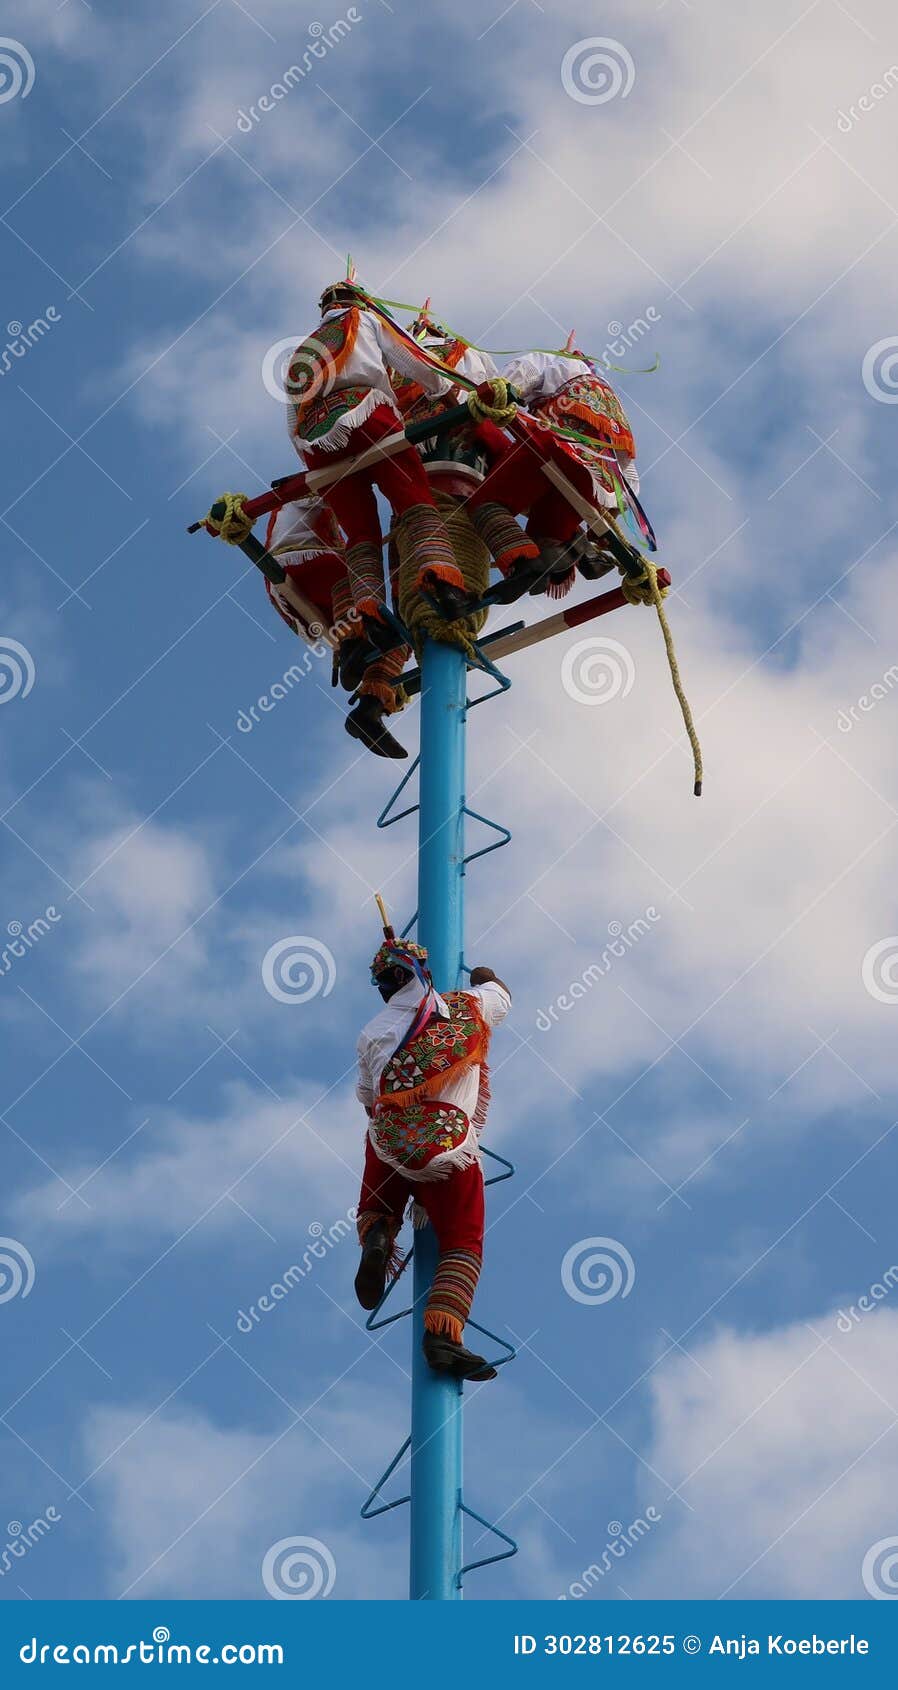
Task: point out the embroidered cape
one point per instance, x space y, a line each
314 368
590 405
411 1129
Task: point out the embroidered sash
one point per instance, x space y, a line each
411 1125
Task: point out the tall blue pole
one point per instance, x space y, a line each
436 1448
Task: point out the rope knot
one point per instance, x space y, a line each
228 519
499 407
644 588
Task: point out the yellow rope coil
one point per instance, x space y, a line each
234 526
646 589
502 408
473 560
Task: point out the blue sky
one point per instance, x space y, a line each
720 1103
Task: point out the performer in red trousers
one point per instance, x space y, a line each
562 388
304 537
424 1082
343 405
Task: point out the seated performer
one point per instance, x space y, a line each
343 405
423 1080
469 361
560 388
316 599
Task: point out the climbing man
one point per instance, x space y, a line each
423 1080
343 407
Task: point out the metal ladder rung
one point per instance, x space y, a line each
369 1513
487 1560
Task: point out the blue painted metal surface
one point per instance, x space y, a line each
434 1447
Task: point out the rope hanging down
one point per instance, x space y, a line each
645 589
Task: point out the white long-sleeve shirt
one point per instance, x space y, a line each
375 352
379 1038
538 375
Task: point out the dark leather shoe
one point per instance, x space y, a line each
444 1356
366 723
371 1279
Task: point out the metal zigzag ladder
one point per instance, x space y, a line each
434 1444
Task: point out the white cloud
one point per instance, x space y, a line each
784 1446
191 1506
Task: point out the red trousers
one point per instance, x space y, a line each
455 1209
517 482
402 479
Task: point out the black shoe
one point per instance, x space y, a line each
371 1279
444 1356
558 566
352 659
366 723
529 574
452 603
381 636
593 560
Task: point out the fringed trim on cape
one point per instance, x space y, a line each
433 1085
339 435
465 1155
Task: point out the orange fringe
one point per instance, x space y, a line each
435 1083
382 691
443 1325
441 572
514 554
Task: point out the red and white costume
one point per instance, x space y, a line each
304 537
565 391
450 1187
344 404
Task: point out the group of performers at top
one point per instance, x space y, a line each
353 386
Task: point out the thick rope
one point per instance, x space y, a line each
473 560
234 526
645 589
502 409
